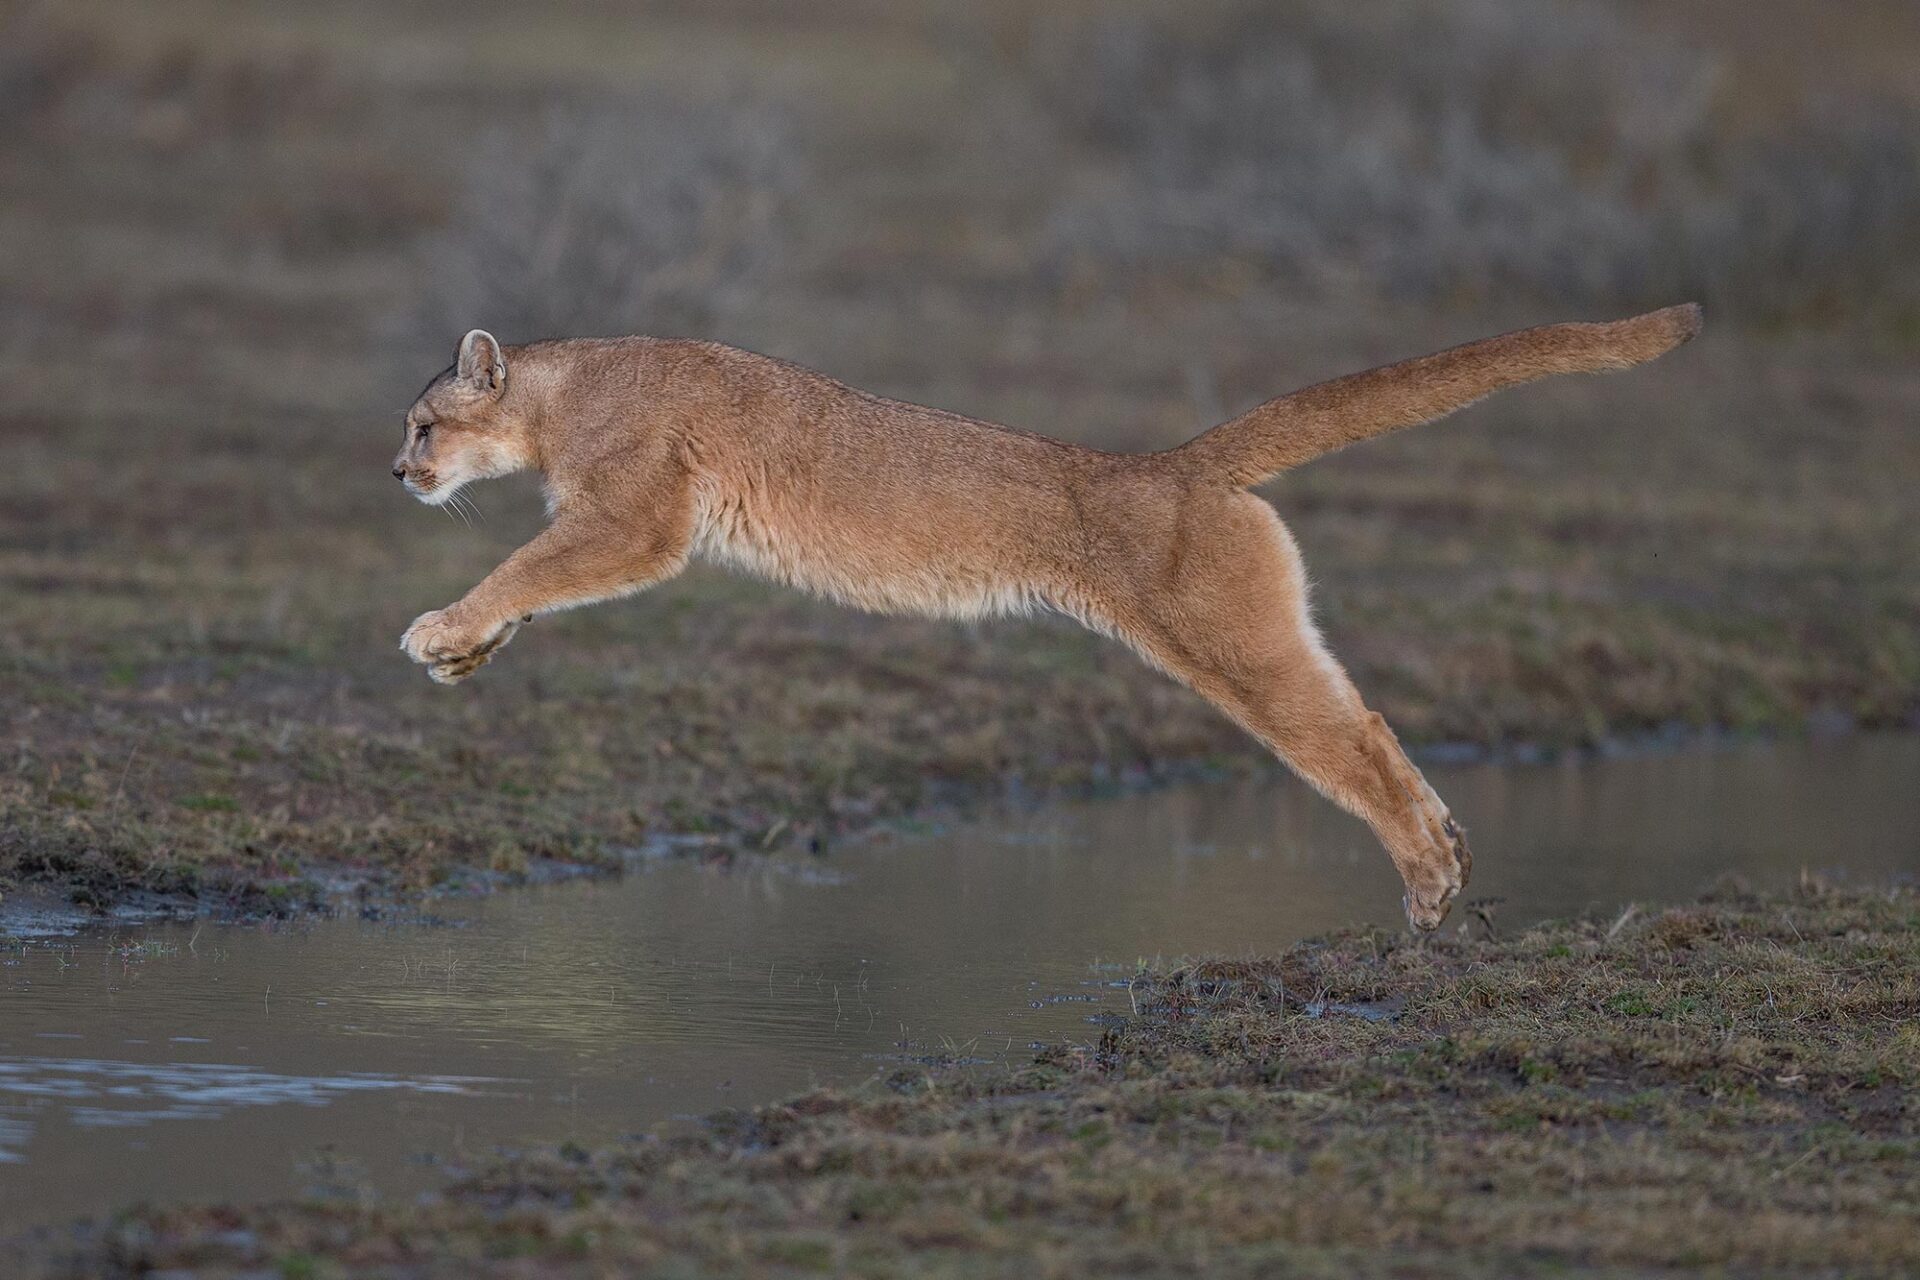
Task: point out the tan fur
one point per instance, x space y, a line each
656 451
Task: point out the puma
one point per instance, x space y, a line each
655 451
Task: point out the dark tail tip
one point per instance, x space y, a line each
1684 322
1647 337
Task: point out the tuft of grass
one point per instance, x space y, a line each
210 803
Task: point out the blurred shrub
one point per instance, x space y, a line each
609 218
1470 147
68 82
1822 218
39 64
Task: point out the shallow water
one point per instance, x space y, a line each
357 1059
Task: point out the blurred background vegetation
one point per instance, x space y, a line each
239 237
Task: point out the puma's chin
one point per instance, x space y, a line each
433 491
438 487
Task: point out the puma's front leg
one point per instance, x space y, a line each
574 561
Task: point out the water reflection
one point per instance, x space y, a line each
593 1010
113 1095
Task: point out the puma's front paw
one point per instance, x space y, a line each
458 669
450 650
437 636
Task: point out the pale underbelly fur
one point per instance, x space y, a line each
881 584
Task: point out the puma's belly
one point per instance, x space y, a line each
882 574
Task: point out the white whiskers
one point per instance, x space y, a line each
459 506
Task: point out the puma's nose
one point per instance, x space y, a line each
399 473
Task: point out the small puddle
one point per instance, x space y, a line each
351 1059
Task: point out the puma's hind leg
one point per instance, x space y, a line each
1234 627
1320 727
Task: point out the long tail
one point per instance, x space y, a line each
1292 429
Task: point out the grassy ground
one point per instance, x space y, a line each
228 224
1727 1085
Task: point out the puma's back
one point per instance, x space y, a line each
899 507
879 503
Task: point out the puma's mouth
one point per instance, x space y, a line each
441 493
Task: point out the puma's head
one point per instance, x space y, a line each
464 426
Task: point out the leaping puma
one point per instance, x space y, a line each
658 450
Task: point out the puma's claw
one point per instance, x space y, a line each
1428 905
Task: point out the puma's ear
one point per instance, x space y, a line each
482 366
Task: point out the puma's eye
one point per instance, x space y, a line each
425 429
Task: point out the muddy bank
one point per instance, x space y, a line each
598 1009
58 874
1724 1084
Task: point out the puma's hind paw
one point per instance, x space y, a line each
1429 901
1462 856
